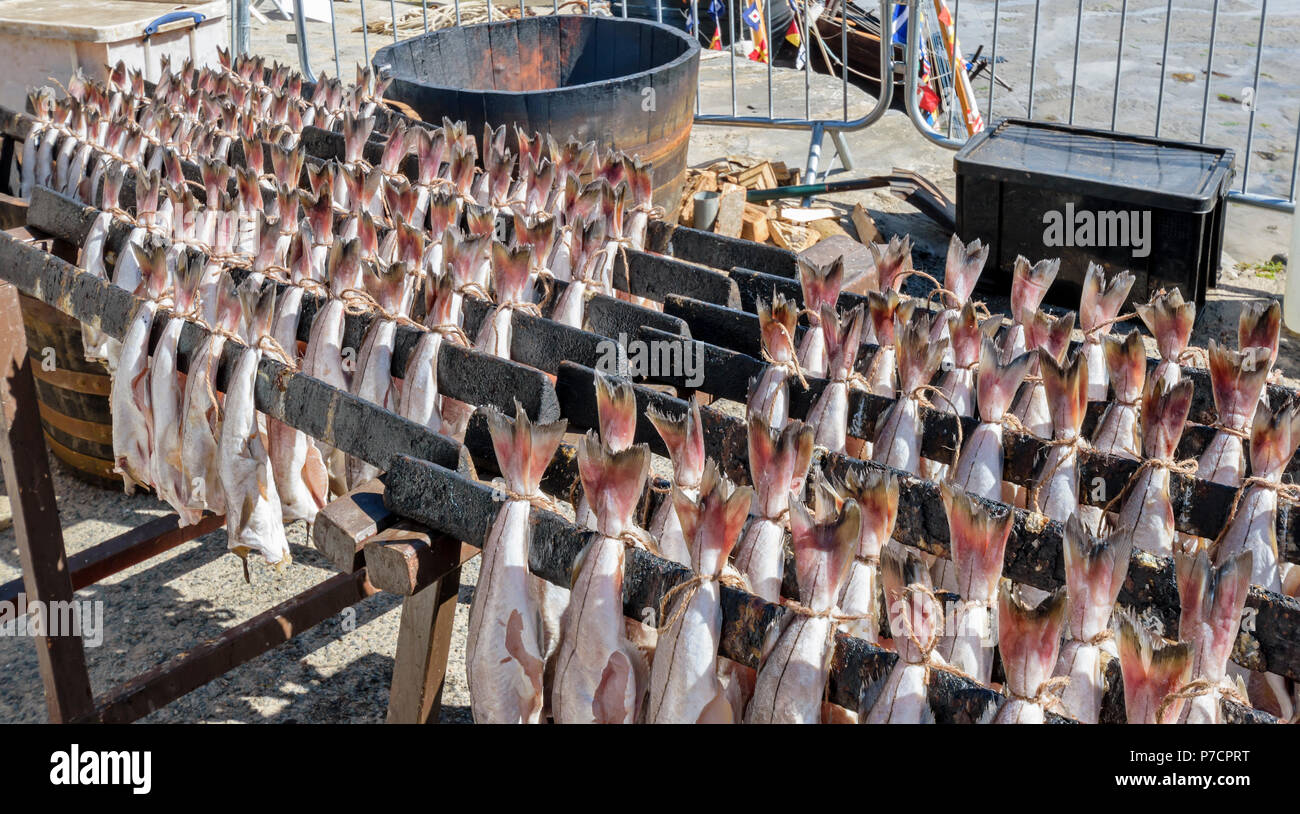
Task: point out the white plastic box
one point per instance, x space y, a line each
46 40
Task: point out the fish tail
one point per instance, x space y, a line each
996 382
712 524
1153 668
1126 365
823 550
964 264
523 449
684 437
612 481
1164 412
1067 392
977 537
1029 638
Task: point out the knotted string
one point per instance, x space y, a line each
1195 689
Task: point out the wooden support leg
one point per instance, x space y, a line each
423 642
62 658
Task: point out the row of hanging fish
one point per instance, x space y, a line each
1054 646
364 239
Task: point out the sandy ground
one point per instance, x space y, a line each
340 671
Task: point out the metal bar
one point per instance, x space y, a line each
300 39
1254 102
1119 63
731 48
334 36
1209 68
197 666
1033 60
392 11
910 59
993 57
365 34
41 552
1074 72
424 13
1164 65
771 52
130 548
787 123
814 156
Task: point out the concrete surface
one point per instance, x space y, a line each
328 674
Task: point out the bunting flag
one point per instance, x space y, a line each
715 44
753 17
795 37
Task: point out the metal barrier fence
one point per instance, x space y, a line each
1210 52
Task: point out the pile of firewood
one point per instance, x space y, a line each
784 223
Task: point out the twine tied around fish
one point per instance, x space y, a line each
691 587
926 648
359 301
538 500
1092 335
1196 689
791 366
1072 444
1288 492
1047 696
898 281
1186 467
918 395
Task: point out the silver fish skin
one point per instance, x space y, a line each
684 685
1238 381
979 468
876 494
917 620
504 656
1125 363
978 537
792 679
1066 387
841 339
1099 304
777 459
684 437
600 676
1147 516
254 518
166 400
770 396
129 398
1212 600
94 341
1095 569
898 433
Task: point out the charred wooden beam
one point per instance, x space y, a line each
465 374
340 419
718 251
1033 554
464 509
656 276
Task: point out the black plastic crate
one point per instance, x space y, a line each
1157 206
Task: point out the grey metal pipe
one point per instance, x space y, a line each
1254 101
1119 64
300 35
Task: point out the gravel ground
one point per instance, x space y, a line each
340 671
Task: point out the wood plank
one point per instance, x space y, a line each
197 666
125 550
423 645
408 558
344 525
62 659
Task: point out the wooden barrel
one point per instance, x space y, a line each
73 394
626 84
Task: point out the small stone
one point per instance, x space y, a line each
1280 257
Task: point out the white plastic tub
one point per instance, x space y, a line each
45 40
